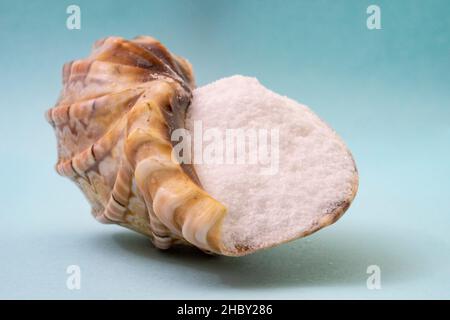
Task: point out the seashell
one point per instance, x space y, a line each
113 122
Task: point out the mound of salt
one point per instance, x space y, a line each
303 178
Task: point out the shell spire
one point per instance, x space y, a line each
113 122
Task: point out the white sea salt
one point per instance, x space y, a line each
315 170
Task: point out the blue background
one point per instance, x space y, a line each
386 92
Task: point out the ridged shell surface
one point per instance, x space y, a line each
113 122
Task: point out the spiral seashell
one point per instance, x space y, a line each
113 122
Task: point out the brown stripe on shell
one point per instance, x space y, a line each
118 202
